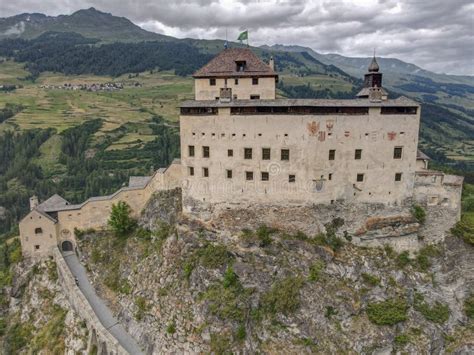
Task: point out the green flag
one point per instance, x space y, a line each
244 35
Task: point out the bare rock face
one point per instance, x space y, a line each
202 287
163 207
39 317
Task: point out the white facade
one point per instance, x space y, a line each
310 175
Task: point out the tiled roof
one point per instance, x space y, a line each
421 156
401 102
224 64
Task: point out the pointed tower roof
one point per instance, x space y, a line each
373 66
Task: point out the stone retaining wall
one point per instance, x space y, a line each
99 335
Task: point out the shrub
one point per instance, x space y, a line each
371 280
330 311
469 306
403 259
402 339
241 333
142 307
438 313
423 258
387 312
224 303
214 256
283 297
464 229
171 328
418 213
315 270
220 344
120 221
262 236
230 278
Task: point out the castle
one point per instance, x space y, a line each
242 147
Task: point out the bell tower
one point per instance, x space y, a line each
373 78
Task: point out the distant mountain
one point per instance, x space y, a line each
357 66
89 23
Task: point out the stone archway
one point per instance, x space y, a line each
67 246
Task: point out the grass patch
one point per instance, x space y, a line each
424 256
283 297
437 313
387 312
401 340
370 279
469 306
50 338
142 307
315 271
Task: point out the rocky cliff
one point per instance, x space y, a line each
184 286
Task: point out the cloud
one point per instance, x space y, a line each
437 35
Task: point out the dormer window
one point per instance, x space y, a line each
240 65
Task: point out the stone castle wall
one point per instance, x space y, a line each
94 213
308 138
244 89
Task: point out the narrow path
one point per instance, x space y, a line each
98 305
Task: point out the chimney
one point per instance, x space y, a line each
271 63
34 202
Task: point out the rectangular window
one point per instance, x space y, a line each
37 247
332 154
265 176
212 82
330 176
254 81
236 81
205 172
247 153
360 177
291 178
266 152
229 174
285 154
358 154
230 152
254 97
249 175
398 176
397 153
191 150
191 171
205 152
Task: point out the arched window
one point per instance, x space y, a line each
38 231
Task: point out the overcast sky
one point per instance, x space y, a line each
437 35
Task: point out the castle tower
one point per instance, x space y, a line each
373 83
236 74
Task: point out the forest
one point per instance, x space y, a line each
85 176
71 53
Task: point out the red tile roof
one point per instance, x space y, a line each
224 64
